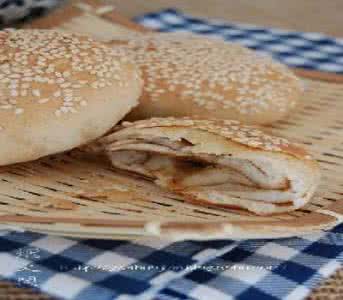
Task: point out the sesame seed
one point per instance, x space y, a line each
44 100
14 93
65 85
57 94
36 93
19 111
7 106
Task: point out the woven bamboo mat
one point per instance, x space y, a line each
317 125
78 195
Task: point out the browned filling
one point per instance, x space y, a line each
197 175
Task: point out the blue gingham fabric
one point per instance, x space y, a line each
158 269
77 269
297 49
13 11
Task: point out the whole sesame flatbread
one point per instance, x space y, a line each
186 75
58 91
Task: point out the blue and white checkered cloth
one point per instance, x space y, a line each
156 269
161 270
297 49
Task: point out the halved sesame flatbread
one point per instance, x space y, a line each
216 162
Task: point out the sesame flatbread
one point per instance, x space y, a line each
216 162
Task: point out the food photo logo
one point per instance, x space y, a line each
28 273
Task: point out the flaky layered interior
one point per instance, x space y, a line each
250 180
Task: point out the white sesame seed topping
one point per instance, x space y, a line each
31 58
211 73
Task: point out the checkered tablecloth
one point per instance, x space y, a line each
156 269
12 11
297 49
162 270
